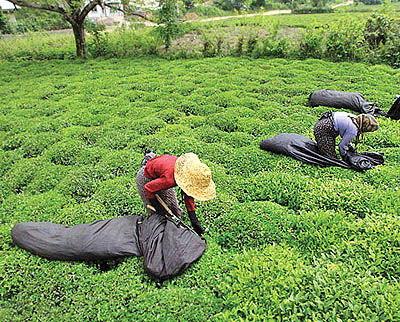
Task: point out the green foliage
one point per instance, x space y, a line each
286 240
99 44
5 27
28 19
372 38
310 9
168 27
344 41
207 11
231 5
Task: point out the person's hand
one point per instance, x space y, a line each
195 223
351 149
197 228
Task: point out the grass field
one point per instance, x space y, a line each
286 240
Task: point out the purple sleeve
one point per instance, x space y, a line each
346 141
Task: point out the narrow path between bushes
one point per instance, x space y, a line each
265 13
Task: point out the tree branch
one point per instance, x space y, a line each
89 7
128 12
38 6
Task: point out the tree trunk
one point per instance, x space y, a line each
80 40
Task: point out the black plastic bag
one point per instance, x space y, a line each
168 248
394 112
99 240
304 149
353 101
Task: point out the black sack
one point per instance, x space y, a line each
168 248
365 160
394 112
353 101
304 149
99 240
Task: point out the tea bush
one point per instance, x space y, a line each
286 240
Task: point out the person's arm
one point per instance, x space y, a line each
190 207
189 202
156 185
195 223
151 188
345 143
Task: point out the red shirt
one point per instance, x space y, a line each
161 170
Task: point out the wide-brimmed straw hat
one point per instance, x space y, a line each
194 177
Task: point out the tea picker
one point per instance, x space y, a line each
160 174
345 125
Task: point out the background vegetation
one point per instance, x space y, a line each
286 240
370 37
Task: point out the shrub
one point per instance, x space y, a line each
80 183
22 172
148 125
7 160
40 207
308 10
35 144
285 240
119 163
378 29
5 27
311 43
224 121
46 178
64 152
251 225
344 41
119 197
207 11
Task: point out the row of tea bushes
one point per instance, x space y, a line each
286 240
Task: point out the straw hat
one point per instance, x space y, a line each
194 177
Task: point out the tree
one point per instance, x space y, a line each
74 12
168 22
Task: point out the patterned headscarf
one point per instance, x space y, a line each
364 123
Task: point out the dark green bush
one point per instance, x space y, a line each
29 19
147 125
40 207
22 172
120 163
308 10
35 144
207 11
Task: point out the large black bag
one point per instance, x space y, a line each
304 149
168 247
394 112
353 101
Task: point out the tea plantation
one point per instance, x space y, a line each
286 240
